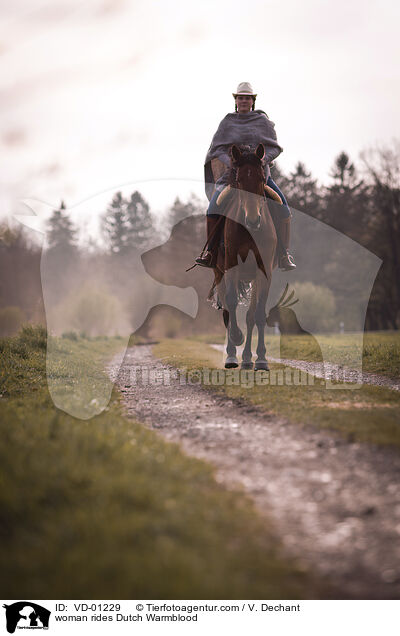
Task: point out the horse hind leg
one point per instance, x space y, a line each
260 320
250 320
231 361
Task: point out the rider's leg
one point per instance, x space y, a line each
282 226
215 223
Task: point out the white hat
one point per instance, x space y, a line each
244 88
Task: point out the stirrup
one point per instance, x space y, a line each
206 260
286 262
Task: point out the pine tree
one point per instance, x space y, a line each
61 234
344 175
61 260
302 190
179 210
344 197
140 228
114 224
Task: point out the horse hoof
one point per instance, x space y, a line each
261 365
231 362
247 366
236 338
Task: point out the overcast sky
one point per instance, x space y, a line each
100 93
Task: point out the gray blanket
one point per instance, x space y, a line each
251 129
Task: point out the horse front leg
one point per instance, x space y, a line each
260 320
231 361
235 334
250 320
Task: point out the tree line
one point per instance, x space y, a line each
362 202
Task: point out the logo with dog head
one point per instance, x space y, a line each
26 615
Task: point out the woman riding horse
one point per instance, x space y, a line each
246 126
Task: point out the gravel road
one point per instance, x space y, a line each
335 504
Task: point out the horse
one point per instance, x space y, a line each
247 256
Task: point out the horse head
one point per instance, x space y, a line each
248 177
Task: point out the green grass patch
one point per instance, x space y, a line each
382 353
79 361
369 414
104 508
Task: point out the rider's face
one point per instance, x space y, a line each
244 103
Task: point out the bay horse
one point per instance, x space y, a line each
248 254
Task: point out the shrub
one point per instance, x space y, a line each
11 319
316 309
33 336
90 311
70 335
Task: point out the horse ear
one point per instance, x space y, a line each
260 152
235 152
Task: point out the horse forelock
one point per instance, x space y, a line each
247 158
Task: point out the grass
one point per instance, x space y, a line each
382 353
369 414
104 508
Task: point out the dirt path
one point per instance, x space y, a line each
330 371
335 505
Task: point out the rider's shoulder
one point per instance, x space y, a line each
226 119
262 112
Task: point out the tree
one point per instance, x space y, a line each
179 210
128 224
344 175
383 228
60 260
61 234
302 190
344 198
114 224
140 228
20 284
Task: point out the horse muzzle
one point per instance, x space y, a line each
254 226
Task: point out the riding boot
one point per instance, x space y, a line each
285 260
214 227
